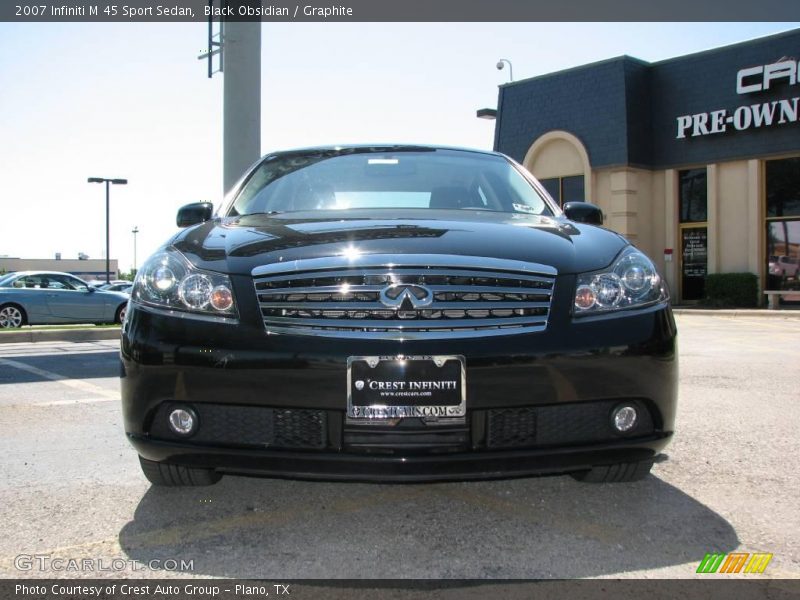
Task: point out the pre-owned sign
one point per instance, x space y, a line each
747 116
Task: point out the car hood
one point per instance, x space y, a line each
237 245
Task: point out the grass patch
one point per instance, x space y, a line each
48 327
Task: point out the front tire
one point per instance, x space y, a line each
12 316
120 316
618 473
163 474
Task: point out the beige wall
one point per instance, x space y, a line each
76 267
643 205
735 223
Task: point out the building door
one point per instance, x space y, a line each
694 262
693 217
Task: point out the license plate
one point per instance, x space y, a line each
391 387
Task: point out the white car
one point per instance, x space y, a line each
783 266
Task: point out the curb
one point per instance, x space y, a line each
89 335
744 312
59 335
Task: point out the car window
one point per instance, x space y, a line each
76 284
360 178
30 281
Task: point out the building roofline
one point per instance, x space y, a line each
591 65
626 57
717 49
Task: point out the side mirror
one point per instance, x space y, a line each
583 212
192 214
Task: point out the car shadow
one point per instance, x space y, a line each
43 367
549 527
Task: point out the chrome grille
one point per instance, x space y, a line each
343 296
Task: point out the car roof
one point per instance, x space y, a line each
377 148
20 273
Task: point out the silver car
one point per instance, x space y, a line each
44 297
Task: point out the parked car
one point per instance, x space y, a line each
122 286
396 313
102 283
783 266
44 297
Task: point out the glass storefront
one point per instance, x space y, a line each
783 227
693 211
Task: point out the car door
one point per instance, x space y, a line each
70 299
27 291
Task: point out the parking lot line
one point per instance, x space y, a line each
77 384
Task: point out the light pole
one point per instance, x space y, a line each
501 63
108 182
134 231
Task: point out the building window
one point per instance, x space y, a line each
783 226
693 215
693 185
565 189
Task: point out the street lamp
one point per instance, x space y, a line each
134 231
108 182
503 62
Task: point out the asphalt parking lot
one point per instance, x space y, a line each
70 486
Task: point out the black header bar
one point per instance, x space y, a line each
402 11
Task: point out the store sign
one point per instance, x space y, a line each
748 116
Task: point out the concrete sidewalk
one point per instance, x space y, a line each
28 334
738 312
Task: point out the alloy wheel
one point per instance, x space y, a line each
10 317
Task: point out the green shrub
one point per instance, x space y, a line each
736 290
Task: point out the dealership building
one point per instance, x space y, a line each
88 269
695 159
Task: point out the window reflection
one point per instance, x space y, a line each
783 227
693 186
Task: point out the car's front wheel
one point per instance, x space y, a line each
11 316
618 473
164 474
120 316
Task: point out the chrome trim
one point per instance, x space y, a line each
457 300
426 261
406 294
460 305
180 314
382 412
476 289
403 335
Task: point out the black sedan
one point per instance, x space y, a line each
396 313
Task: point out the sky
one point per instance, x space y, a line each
131 100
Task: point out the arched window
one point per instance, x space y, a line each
560 162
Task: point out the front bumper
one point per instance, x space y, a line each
593 362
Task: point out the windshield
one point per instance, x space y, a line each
365 178
6 279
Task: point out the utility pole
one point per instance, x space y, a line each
134 231
238 45
108 183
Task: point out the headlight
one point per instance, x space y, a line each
632 281
169 280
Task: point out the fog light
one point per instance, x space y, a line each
624 418
182 421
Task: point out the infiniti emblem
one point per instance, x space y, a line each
406 296
359 385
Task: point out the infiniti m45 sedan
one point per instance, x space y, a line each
396 313
45 297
